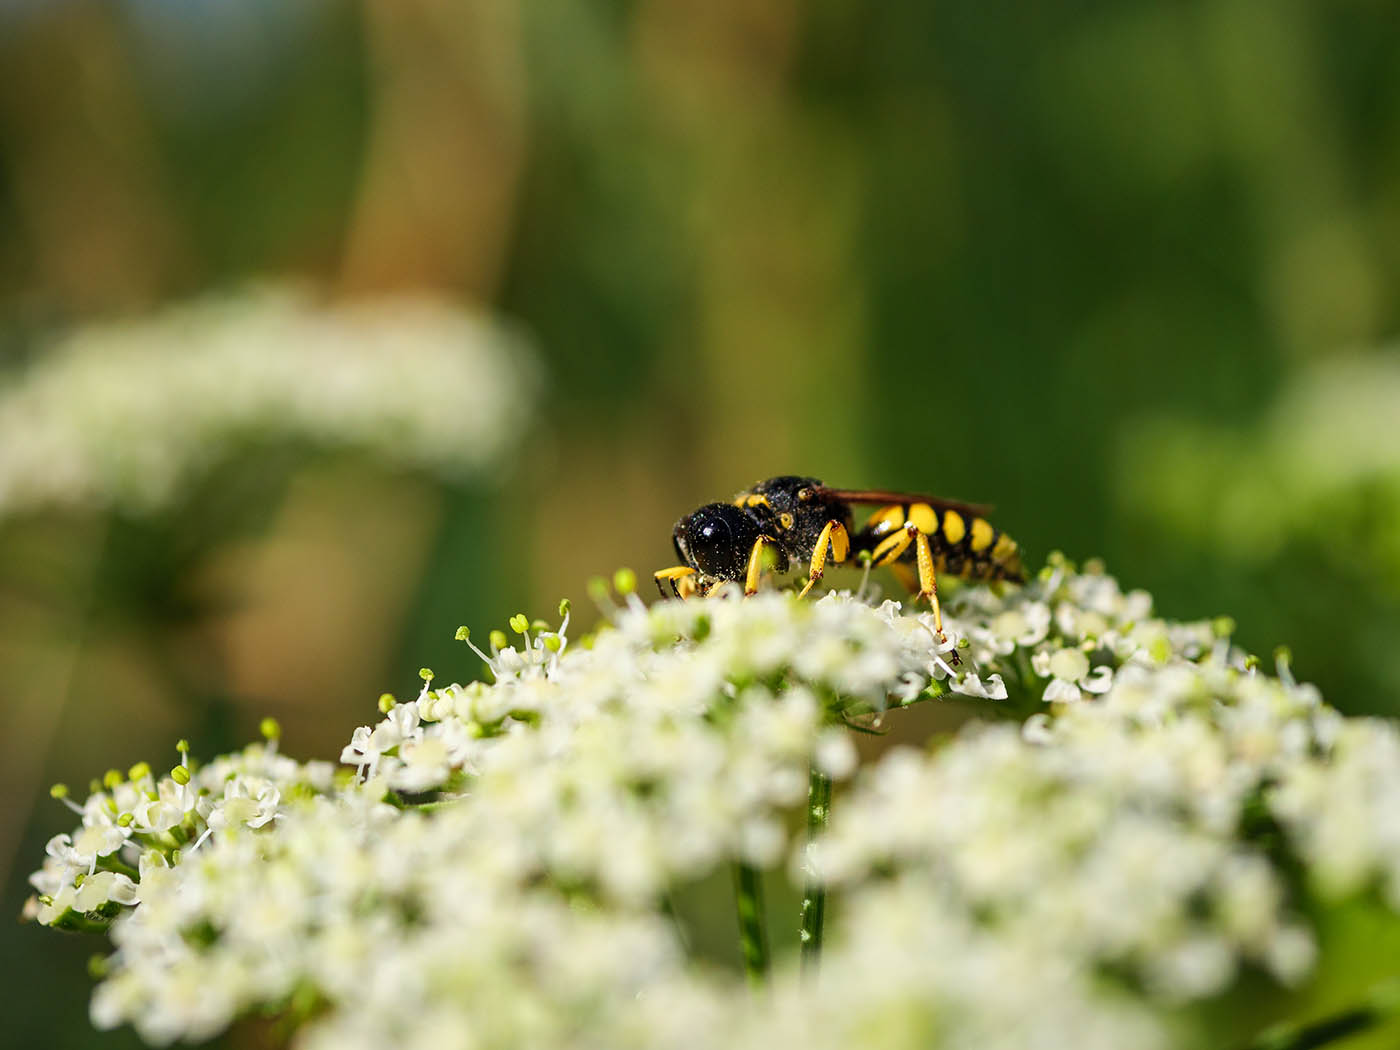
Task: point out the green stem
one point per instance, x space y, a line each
668 909
112 862
1383 1004
753 940
813 892
1306 1037
434 807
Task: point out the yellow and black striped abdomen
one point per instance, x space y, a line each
963 545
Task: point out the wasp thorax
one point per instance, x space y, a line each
717 539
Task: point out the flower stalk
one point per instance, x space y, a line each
1382 1005
753 936
813 914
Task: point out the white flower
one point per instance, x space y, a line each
835 754
160 810
971 684
122 414
104 886
247 801
1069 673
95 841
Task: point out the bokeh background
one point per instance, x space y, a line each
1127 270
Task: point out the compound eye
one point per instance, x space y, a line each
718 538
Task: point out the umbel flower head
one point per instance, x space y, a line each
122 415
1141 822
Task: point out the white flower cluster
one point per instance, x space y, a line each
906 968
901 971
120 415
394 928
136 827
1133 832
497 870
1064 634
385 915
676 740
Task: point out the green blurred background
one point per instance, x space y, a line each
1082 261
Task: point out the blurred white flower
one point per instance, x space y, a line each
1069 673
122 414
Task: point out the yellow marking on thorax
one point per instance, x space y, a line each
924 517
1005 548
954 528
750 499
982 533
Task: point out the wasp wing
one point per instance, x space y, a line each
883 496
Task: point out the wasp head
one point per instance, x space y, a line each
717 539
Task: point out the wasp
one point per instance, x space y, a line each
792 519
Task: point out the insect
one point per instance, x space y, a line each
791 519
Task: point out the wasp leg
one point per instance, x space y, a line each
928 578
928 587
674 576
833 534
755 566
894 545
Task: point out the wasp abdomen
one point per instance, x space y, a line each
963 545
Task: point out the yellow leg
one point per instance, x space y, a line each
928 578
928 586
833 535
892 546
755 567
889 550
678 576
